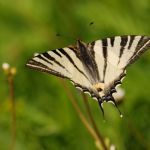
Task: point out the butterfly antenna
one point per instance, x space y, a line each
113 101
101 107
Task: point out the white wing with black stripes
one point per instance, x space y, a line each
97 67
116 54
63 63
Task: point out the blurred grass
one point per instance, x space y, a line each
46 119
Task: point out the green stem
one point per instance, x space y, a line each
13 110
93 122
81 116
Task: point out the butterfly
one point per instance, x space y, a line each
96 68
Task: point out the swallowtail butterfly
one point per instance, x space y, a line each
95 68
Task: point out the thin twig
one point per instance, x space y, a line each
13 110
82 117
92 121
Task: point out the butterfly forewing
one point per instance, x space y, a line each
63 63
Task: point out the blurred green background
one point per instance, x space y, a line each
46 119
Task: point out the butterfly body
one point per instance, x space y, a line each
96 68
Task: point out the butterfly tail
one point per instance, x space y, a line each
112 100
100 102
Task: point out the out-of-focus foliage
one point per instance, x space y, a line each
46 119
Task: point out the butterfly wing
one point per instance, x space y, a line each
113 55
101 63
65 63
109 56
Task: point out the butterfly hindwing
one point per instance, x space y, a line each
113 55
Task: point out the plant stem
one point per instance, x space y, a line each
82 117
92 121
13 110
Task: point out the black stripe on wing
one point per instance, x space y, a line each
104 47
91 47
49 57
87 58
142 46
62 51
132 37
124 40
95 72
43 68
112 39
44 59
55 52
